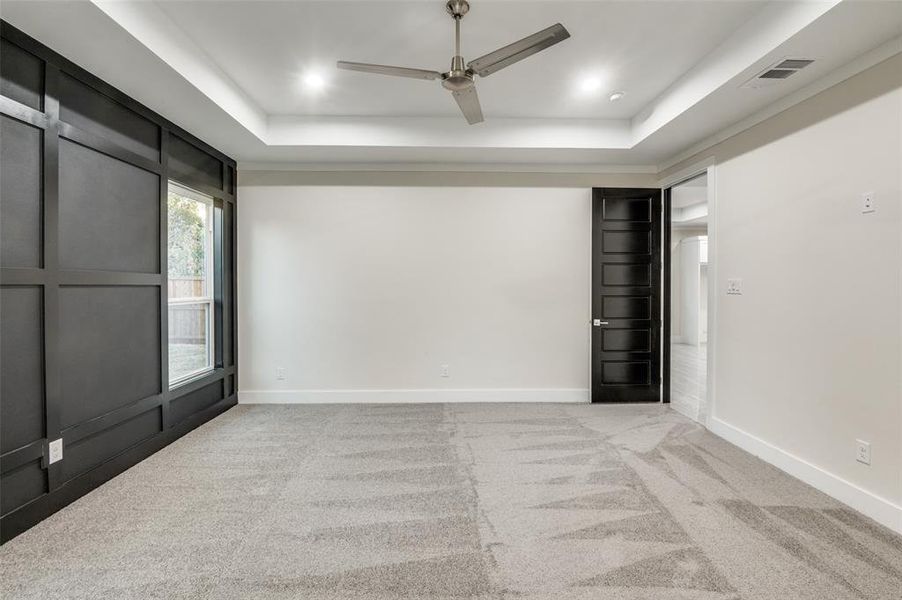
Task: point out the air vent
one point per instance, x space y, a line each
777 74
774 74
794 63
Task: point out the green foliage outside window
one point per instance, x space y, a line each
186 237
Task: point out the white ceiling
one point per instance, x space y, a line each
640 47
230 71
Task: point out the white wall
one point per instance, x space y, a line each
360 293
692 310
808 359
677 235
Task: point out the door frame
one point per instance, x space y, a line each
708 166
666 297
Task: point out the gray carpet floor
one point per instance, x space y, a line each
453 501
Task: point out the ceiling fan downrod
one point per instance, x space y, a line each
458 78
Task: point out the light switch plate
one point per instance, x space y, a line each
734 287
55 451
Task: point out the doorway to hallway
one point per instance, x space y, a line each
686 281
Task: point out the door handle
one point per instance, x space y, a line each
598 322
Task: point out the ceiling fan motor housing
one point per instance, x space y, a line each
458 78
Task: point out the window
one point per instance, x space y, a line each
190 284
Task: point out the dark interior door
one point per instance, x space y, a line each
626 295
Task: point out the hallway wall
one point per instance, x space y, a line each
677 235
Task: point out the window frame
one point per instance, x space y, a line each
208 297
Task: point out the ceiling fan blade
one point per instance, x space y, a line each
388 70
468 101
504 57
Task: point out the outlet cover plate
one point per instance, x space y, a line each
863 452
868 203
55 451
734 287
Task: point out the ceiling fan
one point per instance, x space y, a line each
461 79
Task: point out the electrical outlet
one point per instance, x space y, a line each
445 372
734 287
55 451
868 203
280 373
863 452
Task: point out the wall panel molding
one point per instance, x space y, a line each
99 332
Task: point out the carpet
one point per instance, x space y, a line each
459 501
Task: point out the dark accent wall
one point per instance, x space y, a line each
83 307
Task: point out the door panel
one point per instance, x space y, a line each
630 373
626 295
629 242
625 340
625 275
626 307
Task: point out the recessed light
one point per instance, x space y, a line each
616 96
590 85
313 82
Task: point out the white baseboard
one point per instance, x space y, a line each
880 509
412 396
